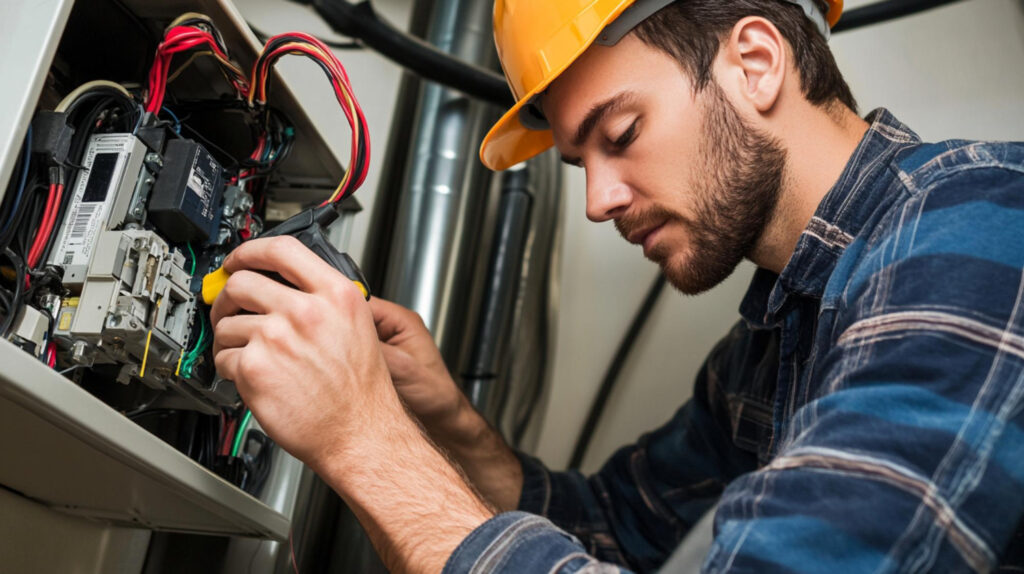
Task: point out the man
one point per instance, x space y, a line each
864 415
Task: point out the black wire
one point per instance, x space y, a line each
15 302
883 12
612 375
265 62
31 188
352 45
360 22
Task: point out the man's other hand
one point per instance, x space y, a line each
417 369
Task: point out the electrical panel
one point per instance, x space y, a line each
138 172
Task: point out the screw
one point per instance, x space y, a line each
78 349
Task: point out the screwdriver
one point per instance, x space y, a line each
308 227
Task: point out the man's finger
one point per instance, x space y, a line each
249 291
228 363
236 331
391 319
285 256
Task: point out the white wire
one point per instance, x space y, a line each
66 102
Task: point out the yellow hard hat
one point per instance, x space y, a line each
538 39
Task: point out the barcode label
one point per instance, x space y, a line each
80 225
80 230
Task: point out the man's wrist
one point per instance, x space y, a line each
415 505
461 428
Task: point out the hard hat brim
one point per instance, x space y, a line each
510 142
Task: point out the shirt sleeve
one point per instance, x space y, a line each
908 454
637 508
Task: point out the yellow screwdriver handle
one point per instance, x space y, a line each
213 284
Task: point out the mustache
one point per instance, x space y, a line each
648 217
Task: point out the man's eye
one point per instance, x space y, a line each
627 137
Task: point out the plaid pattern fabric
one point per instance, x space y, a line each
865 415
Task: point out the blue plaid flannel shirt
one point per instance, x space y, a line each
866 415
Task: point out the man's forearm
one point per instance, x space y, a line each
488 462
414 505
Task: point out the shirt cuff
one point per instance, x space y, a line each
536 494
516 542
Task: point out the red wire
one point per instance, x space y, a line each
180 39
225 448
291 551
42 226
46 226
339 75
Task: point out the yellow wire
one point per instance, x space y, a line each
145 355
192 58
149 337
258 93
177 369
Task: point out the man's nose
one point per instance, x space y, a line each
607 195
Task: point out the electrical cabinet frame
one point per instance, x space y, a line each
63 447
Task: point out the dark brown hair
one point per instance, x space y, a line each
692 31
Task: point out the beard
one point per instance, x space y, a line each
736 187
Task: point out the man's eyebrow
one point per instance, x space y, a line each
597 113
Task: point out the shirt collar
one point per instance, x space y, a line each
840 217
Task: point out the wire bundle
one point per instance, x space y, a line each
46 228
184 34
297 43
189 359
273 145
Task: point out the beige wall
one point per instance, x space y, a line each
954 72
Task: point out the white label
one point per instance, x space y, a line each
95 188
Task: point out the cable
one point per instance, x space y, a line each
360 22
612 374
177 121
263 37
19 284
883 12
193 255
241 432
202 343
26 160
96 86
305 45
186 33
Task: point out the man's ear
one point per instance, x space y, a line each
757 60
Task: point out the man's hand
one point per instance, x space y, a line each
305 360
308 362
416 367
423 381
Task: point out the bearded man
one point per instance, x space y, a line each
864 414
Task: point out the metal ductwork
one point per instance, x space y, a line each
508 350
474 253
443 199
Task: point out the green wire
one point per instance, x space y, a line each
193 254
193 355
241 433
